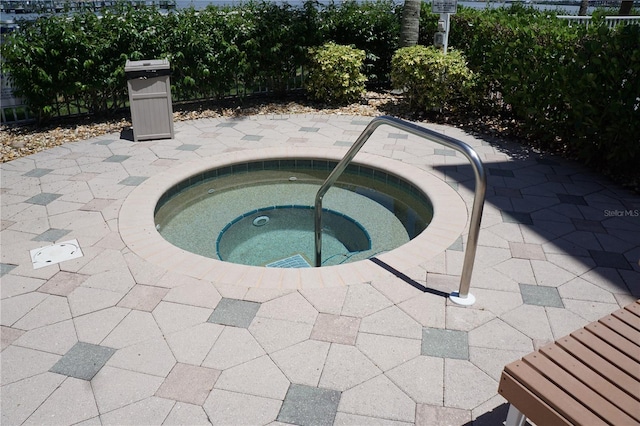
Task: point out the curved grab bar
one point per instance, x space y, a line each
462 296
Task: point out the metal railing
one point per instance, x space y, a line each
462 296
610 21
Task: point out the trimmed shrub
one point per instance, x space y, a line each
431 79
335 74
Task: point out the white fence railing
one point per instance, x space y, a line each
611 21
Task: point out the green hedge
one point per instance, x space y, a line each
572 89
569 88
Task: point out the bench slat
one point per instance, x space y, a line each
608 352
622 328
623 345
629 317
595 361
592 379
557 399
572 386
528 403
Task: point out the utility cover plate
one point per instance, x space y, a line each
56 253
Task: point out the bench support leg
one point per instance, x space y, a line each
515 417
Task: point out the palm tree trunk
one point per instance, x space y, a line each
625 7
410 25
584 5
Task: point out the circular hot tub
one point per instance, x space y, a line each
418 213
261 213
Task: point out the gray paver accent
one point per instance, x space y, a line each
457 245
104 142
610 260
83 361
343 143
445 343
116 159
445 152
37 172
507 192
43 199
251 138
571 199
237 313
133 180
306 405
188 147
589 225
547 162
309 129
516 217
51 235
500 172
226 124
541 296
398 136
558 178
5 268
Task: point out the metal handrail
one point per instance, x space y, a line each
462 296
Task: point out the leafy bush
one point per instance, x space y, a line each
204 62
335 75
81 58
431 79
603 93
572 89
373 26
275 38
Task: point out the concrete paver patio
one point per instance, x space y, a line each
112 338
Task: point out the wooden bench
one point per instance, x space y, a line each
591 377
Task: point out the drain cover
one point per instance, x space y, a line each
56 253
296 261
